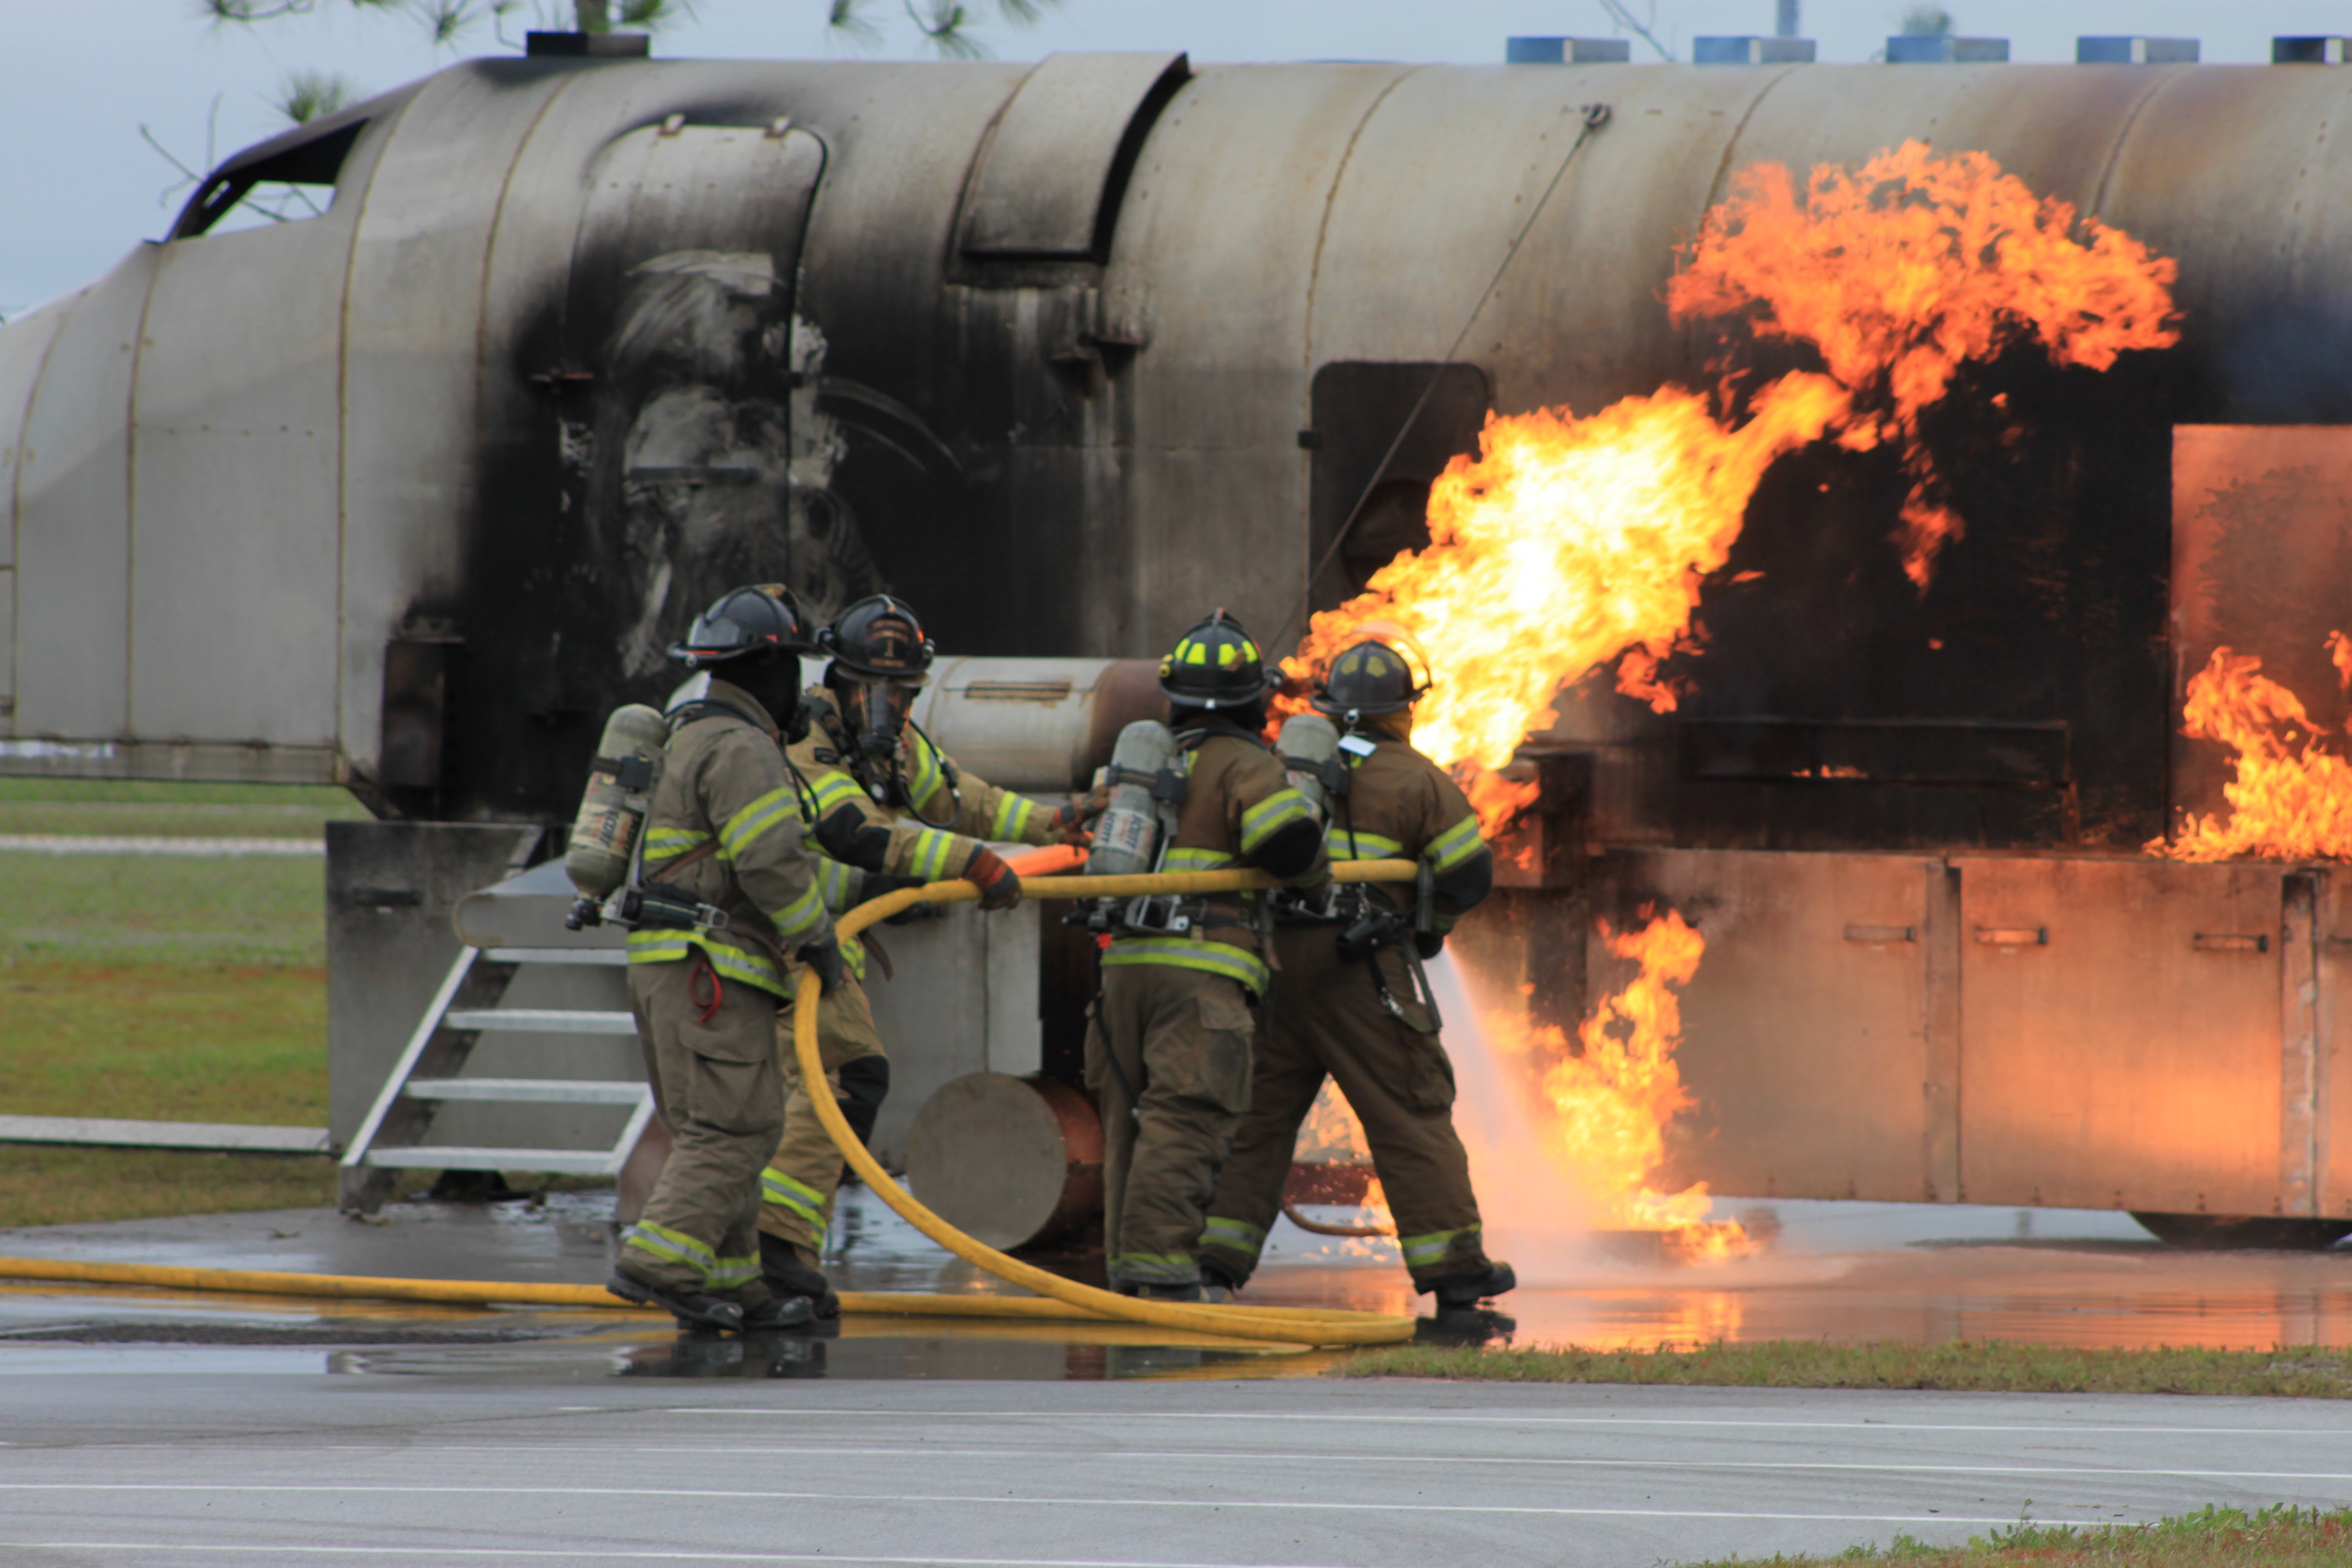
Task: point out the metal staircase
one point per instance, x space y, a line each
429 1073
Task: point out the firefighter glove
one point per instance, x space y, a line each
1428 943
849 838
1074 817
825 957
1000 887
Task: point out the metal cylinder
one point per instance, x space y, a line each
1126 834
620 792
1007 1160
1034 724
1308 738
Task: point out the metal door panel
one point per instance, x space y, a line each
2262 564
2120 1034
2331 1066
235 472
1805 1030
73 520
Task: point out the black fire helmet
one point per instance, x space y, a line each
761 619
879 638
1214 665
1369 678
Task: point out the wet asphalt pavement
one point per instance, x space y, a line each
161 1427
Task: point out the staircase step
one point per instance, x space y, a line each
451 1157
529 1090
611 957
538 1021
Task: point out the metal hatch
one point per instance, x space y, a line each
1048 181
2120 1034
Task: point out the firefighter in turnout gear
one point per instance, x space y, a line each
723 858
1169 1051
1350 1001
893 811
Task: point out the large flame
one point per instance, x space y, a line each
1903 270
2290 797
1570 542
1604 1107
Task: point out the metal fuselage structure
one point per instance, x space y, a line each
408 495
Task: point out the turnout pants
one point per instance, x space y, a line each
1328 1020
797 1188
716 1087
1183 1039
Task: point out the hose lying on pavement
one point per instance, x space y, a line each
1057 1298
1293 1325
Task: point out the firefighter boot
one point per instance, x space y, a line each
1218 1280
778 1312
692 1309
1455 1291
789 1275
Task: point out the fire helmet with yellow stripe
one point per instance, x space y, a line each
1370 679
1214 665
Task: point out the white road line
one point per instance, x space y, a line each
802 1412
609 1554
1676 1463
78 844
966 1501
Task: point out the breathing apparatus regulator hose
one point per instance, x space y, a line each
1289 1325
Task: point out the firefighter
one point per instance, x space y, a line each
1169 1047
894 811
1350 1002
724 831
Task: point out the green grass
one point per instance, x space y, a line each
57 1184
127 807
161 909
169 1042
1989 1367
161 988
2279 1537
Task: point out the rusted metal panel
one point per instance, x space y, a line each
1805 1032
2262 564
2120 1035
1049 181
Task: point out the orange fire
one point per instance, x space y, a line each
1569 543
2290 797
1903 270
1604 1110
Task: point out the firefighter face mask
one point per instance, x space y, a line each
877 713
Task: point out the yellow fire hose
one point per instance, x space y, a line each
1293 1325
1057 1300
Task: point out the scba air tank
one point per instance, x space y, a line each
620 792
1309 745
1126 835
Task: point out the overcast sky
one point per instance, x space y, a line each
78 78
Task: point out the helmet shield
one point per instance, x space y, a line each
1214 665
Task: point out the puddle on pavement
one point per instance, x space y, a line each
1837 1271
